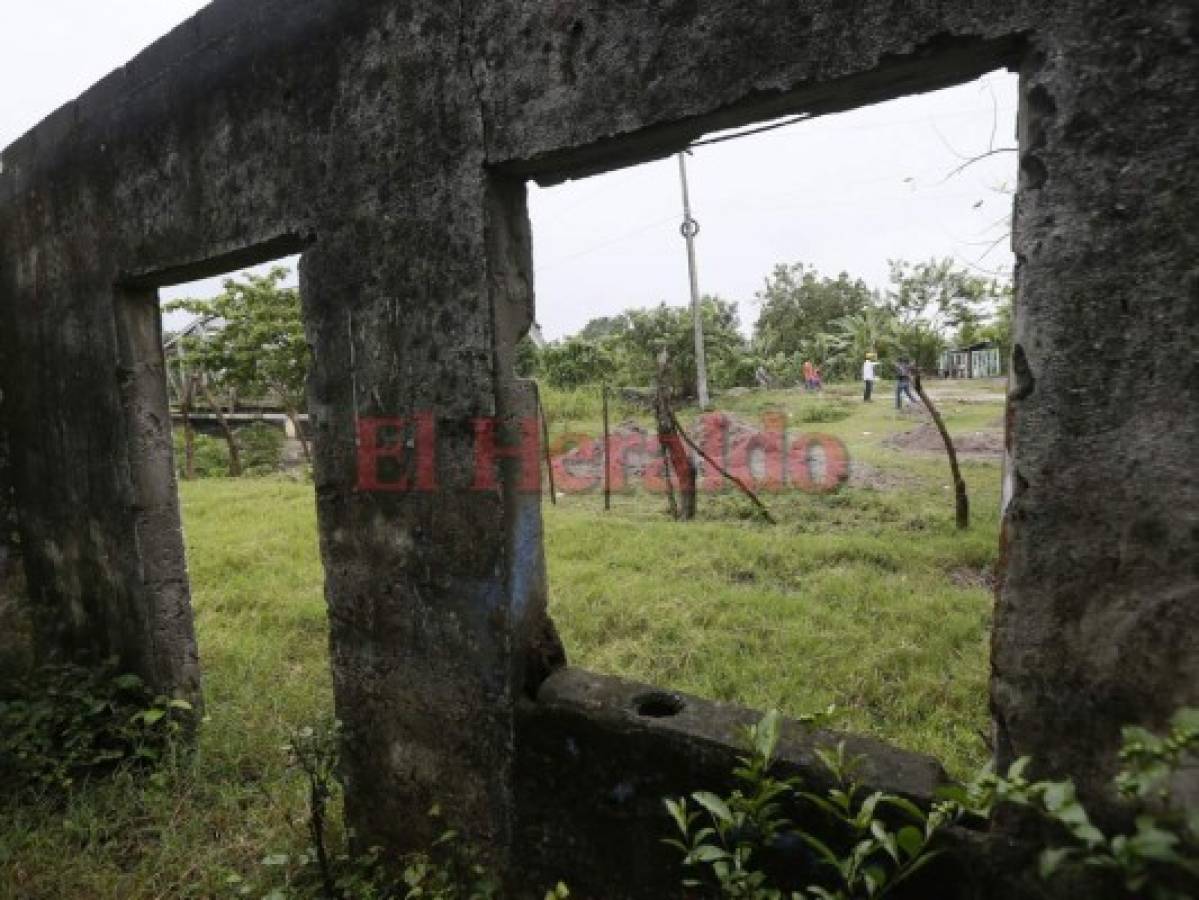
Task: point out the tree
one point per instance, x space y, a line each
670 328
528 358
920 342
184 384
870 331
574 362
257 348
604 327
798 304
999 329
942 294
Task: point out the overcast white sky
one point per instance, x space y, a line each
844 192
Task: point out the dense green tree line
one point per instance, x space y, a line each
834 322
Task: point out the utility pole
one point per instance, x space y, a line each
690 229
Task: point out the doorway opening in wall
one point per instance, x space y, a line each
875 241
237 360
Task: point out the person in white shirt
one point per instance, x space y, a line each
868 376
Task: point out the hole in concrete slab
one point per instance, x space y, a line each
659 705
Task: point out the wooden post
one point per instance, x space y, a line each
730 476
607 456
671 445
545 444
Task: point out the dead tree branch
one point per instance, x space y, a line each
962 502
745 489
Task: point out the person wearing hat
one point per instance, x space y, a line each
868 376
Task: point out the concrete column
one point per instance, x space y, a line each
91 469
1097 623
163 615
436 590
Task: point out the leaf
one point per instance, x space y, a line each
875 877
766 735
1153 842
708 853
151 716
1186 719
822 849
713 804
1058 794
1051 860
678 812
1018 768
906 806
910 840
127 682
912 868
836 812
885 839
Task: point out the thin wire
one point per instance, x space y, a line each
759 130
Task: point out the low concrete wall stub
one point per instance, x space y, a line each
592 774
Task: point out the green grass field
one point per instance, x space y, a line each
867 598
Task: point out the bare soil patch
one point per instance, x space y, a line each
969 577
926 439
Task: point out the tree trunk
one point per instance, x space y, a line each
227 429
962 502
187 398
745 489
189 443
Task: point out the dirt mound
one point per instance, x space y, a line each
637 449
628 439
926 439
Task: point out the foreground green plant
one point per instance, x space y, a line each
62 725
1159 858
724 840
450 869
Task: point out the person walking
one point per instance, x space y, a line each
903 383
807 375
868 377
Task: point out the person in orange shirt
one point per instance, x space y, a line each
809 375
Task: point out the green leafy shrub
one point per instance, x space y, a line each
858 854
261 448
574 363
1159 858
64 724
450 869
260 445
211 458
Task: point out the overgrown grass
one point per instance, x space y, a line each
261 618
849 600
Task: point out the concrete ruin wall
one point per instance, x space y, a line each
15 629
388 142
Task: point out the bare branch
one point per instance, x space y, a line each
977 159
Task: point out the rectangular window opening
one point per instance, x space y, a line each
236 362
827 249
